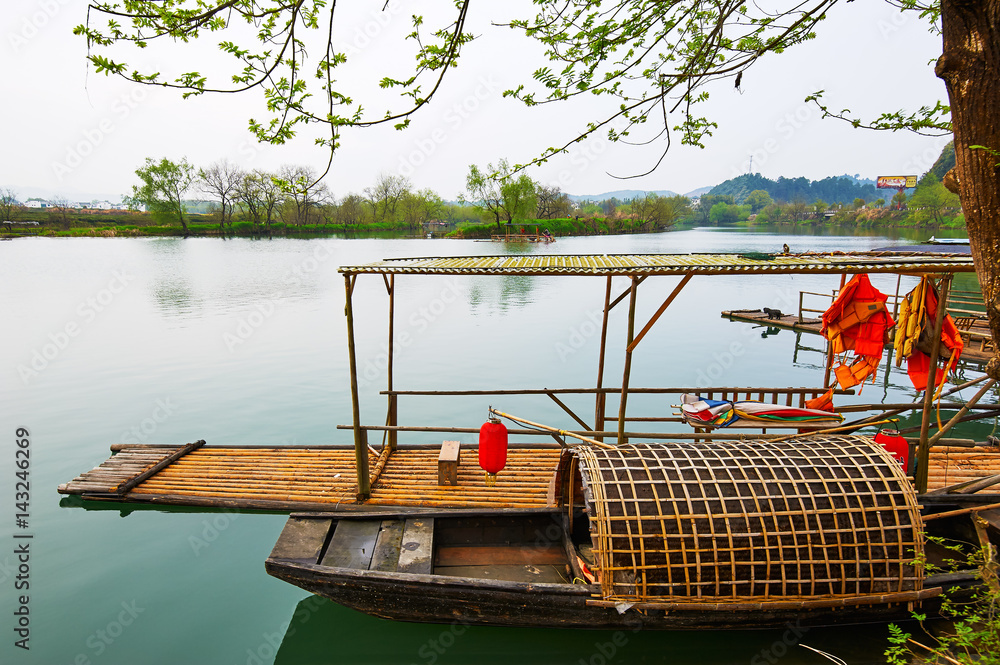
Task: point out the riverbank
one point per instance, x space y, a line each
118 224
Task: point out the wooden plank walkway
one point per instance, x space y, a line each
785 321
287 478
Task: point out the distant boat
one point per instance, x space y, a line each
945 241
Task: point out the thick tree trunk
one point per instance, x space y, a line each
970 68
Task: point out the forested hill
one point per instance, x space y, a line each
790 190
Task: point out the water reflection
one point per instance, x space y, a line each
321 632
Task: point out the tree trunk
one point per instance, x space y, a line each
970 68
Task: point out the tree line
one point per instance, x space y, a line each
296 196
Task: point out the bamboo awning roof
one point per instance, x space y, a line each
832 263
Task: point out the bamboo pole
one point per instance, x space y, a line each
961 511
961 412
666 303
393 415
628 362
923 450
600 397
360 442
553 430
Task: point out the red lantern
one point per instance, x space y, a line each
492 449
896 445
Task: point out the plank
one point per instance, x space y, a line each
416 550
352 544
129 484
387 546
302 539
485 555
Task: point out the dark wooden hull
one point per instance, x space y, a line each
448 569
452 600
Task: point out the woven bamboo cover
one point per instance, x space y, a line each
816 517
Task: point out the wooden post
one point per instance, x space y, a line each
600 396
360 443
628 362
924 448
393 435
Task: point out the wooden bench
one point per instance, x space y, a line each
448 463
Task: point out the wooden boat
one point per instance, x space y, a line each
819 530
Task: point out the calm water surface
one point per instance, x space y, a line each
243 342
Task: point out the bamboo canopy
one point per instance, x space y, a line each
823 517
830 263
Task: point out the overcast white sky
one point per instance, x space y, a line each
71 133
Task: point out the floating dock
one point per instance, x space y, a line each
976 334
309 478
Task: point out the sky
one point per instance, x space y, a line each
72 133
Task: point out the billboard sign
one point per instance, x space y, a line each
897 181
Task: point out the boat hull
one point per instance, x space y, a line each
452 600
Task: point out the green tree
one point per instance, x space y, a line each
552 203
222 180
703 213
10 208
500 193
819 208
758 199
858 204
484 191
520 200
931 199
164 184
384 196
724 213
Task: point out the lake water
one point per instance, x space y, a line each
243 342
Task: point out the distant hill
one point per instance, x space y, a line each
621 195
843 189
695 193
945 161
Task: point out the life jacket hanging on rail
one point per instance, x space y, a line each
856 323
915 332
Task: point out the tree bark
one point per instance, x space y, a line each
970 68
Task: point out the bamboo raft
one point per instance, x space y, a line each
293 478
321 478
952 465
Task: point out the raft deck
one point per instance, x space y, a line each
321 478
308 478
